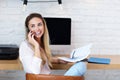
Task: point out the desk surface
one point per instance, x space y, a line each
10 65
114 64
16 65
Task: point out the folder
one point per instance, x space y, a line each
99 60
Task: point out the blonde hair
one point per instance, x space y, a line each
44 38
46 43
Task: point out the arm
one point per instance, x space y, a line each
30 59
32 41
31 63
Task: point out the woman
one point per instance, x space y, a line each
35 53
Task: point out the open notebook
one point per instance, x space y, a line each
78 54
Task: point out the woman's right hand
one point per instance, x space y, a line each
31 39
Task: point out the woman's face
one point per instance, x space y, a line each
36 26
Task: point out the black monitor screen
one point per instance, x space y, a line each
59 30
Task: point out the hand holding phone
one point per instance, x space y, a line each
31 38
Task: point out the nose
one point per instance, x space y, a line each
37 28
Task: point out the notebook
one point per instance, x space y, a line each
78 54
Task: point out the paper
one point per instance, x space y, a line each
78 54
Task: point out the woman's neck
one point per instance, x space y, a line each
39 41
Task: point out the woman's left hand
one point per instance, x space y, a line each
62 61
58 61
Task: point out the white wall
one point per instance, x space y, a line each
93 21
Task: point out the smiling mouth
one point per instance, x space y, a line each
37 33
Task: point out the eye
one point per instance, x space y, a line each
39 24
32 25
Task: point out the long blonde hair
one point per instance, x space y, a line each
44 38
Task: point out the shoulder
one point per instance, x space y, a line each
24 43
24 48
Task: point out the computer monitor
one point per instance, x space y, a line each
59 30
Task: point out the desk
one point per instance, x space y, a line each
115 63
16 65
10 65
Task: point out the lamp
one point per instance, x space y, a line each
24 4
59 1
26 1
